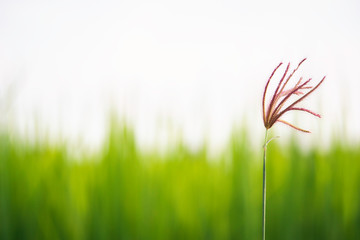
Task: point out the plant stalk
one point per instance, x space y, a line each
264 187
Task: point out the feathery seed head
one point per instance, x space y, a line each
276 109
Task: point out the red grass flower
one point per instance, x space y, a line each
276 108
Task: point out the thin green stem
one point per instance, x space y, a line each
264 187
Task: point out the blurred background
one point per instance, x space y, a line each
142 120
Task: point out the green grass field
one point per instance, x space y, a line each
127 193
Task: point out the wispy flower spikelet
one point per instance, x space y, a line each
276 107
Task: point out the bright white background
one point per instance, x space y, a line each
198 67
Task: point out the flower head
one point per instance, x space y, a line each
276 107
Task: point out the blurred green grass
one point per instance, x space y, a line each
127 193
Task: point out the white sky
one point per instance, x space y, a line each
199 66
